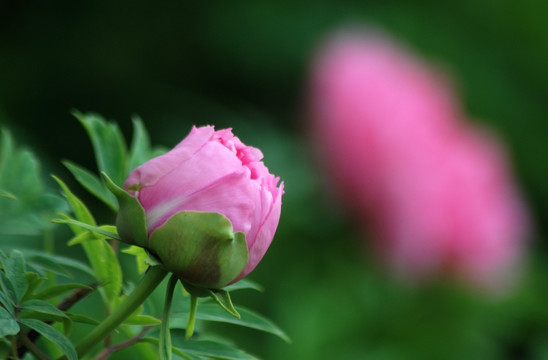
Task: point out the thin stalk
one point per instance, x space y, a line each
191 317
153 277
14 347
165 334
33 349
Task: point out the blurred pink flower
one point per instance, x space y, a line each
435 191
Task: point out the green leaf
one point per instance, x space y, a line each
102 258
212 312
15 269
175 350
7 194
25 205
244 284
9 325
212 349
108 144
53 335
92 184
58 290
6 150
7 290
4 299
142 320
42 310
222 298
106 267
80 210
102 230
83 319
43 262
34 281
200 248
130 222
141 257
81 238
140 145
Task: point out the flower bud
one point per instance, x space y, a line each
208 209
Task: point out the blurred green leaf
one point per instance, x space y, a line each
7 291
41 310
58 290
42 262
140 145
142 320
140 257
9 325
83 319
5 298
102 258
34 281
108 231
212 312
210 349
175 350
25 204
15 269
53 335
4 193
244 284
108 144
81 238
93 184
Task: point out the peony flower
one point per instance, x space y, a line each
210 206
435 192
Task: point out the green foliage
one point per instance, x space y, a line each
100 254
37 288
113 157
199 63
26 206
53 335
18 315
248 318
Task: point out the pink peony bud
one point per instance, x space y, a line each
207 172
435 191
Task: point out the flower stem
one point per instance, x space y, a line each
191 316
165 335
153 277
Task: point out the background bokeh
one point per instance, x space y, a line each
244 64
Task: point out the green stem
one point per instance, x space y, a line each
165 334
150 281
191 316
33 349
14 353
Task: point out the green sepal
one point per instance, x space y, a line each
131 221
193 290
222 298
200 248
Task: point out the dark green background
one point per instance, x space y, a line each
244 64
